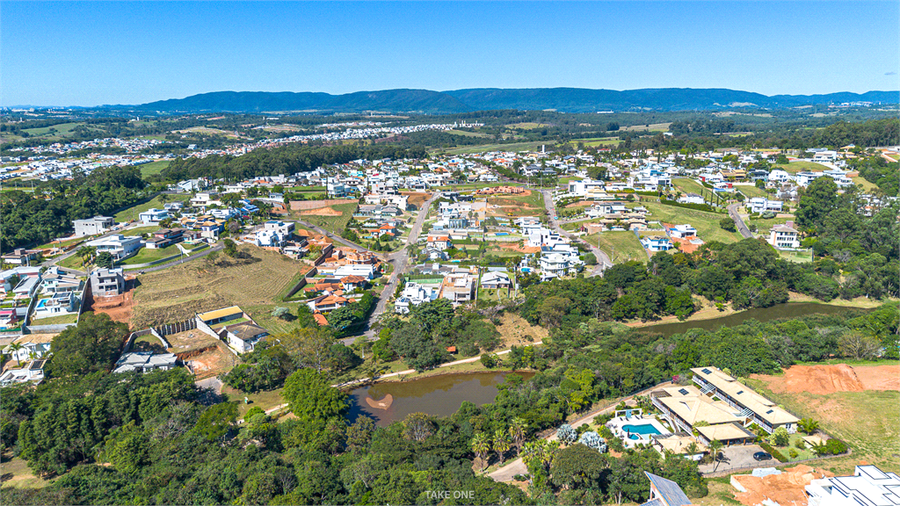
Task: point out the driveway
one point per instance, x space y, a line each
736 457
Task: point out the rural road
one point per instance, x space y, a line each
738 221
603 261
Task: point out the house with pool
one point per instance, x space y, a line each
754 408
633 427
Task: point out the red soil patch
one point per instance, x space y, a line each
828 379
417 198
120 308
515 246
305 205
786 488
325 211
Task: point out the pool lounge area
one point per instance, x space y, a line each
634 428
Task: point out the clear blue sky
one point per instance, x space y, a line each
87 53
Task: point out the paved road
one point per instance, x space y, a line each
332 236
738 221
603 261
398 261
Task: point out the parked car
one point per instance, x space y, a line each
760 456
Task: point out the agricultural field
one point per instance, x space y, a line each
621 246
598 141
859 404
706 223
333 218
795 167
177 293
653 127
153 168
132 212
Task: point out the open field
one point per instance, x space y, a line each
179 292
860 405
751 191
132 212
15 473
653 127
517 146
467 134
73 262
332 218
149 169
795 167
59 130
799 257
866 185
62 244
706 223
688 185
147 255
138 231
621 246
597 141
56 320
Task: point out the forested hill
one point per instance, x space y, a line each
573 100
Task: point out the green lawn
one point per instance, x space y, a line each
795 167
751 191
867 186
146 255
56 320
73 262
152 168
62 244
335 224
135 232
599 141
688 185
621 246
799 257
60 130
706 223
132 212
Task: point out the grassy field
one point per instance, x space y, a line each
16 474
62 244
597 141
152 168
621 246
132 212
800 257
706 223
335 224
518 146
58 130
795 167
56 320
73 262
138 231
688 185
467 134
147 255
867 186
867 421
179 292
751 191
654 127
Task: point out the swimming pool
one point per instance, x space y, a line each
644 429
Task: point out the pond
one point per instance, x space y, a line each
436 395
786 310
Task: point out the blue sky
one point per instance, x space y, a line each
92 53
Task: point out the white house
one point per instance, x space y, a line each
691 198
118 245
153 216
762 204
656 243
414 294
145 361
33 372
363 270
784 236
93 226
869 486
779 176
682 232
274 233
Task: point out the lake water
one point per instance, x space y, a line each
786 310
436 395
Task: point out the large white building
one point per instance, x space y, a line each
118 245
869 486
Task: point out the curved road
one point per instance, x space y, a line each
603 261
738 221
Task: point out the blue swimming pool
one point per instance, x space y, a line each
644 429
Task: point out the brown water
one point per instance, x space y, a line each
436 395
786 310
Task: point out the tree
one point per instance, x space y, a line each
481 445
517 433
780 437
104 260
819 199
418 426
578 466
310 397
714 446
808 425
230 248
859 346
215 421
727 224
566 434
91 346
308 346
501 443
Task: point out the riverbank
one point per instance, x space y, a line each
710 312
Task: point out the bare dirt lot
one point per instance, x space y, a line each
206 355
305 205
120 308
786 488
582 203
515 246
417 198
514 330
323 211
828 379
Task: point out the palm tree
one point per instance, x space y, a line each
714 446
15 348
808 425
481 445
501 443
517 433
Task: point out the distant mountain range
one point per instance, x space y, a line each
573 100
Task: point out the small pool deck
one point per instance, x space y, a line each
636 429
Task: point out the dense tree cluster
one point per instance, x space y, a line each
30 220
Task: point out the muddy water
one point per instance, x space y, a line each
787 310
436 395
